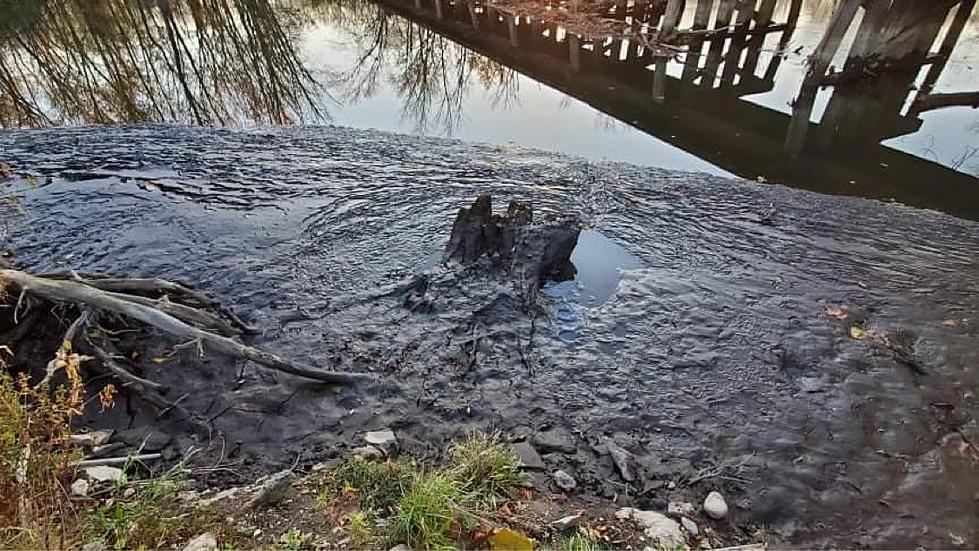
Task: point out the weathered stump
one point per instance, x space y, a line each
529 251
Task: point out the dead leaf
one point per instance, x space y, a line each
834 312
5 171
160 359
859 333
509 540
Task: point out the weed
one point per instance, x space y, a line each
423 509
150 517
36 455
377 485
486 468
361 529
577 542
424 515
294 540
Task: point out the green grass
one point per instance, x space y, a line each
294 540
424 515
424 509
146 518
577 542
486 469
378 485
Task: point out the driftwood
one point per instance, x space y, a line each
529 251
105 295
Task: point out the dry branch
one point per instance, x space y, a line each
86 294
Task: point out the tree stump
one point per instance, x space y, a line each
527 250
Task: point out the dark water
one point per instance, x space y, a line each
713 347
867 125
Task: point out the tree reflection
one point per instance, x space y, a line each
432 75
195 61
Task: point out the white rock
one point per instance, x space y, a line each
79 487
273 488
94 438
102 473
564 524
95 545
690 526
367 452
383 439
715 506
220 496
564 481
658 527
203 542
400 547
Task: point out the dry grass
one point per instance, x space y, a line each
36 457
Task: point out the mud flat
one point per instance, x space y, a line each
813 358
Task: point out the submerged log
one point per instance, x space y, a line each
529 251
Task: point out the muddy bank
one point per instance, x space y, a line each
713 349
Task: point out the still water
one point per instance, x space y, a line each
732 106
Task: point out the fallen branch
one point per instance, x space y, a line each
83 293
117 460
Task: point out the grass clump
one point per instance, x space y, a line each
377 485
149 518
423 508
486 468
576 542
425 514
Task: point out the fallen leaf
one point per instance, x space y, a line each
160 359
834 312
507 539
859 333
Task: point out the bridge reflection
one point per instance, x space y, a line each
680 71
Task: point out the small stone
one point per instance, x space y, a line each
188 495
565 524
661 529
220 496
715 506
367 452
624 462
273 489
564 481
79 488
690 526
129 492
256 532
529 458
94 545
203 542
94 438
400 547
680 509
555 440
327 465
384 440
102 473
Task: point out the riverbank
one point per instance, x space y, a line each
727 343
